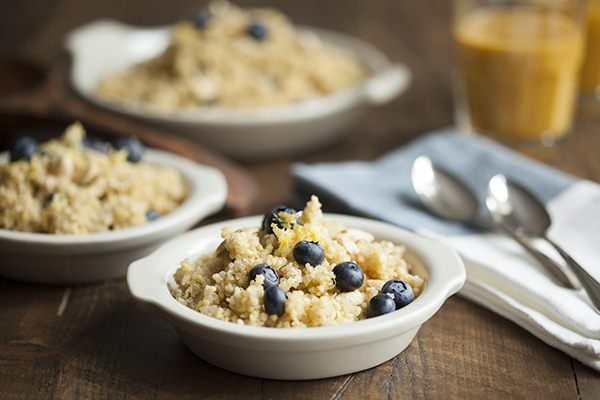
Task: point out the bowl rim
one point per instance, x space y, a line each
208 192
152 295
385 73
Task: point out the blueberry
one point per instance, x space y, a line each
348 276
49 199
379 305
272 217
23 149
152 215
306 252
271 277
133 146
200 18
97 144
402 291
257 30
274 300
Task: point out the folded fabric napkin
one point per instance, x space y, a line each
501 276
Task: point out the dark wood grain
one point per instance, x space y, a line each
90 342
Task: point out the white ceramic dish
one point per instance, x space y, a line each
303 353
106 47
70 259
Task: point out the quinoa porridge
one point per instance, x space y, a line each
298 270
229 57
72 185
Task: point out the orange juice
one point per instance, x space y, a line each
590 72
519 70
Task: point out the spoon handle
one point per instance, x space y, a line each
549 264
591 285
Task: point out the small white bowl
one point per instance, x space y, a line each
310 353
78 259
107 47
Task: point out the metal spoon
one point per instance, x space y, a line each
447 197
518 207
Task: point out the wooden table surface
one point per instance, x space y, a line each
91 342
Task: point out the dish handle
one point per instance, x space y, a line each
141 286
386 85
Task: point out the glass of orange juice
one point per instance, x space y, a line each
590 71
517 73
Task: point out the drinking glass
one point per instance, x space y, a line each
517 72
590 71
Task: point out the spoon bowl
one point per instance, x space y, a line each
442 193
515 205
447 197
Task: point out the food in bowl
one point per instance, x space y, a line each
312 353
78 185
106 47
227 57
298 270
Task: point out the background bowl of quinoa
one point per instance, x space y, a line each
294 354
106 47
79 259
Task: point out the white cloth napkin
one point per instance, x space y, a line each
501 276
